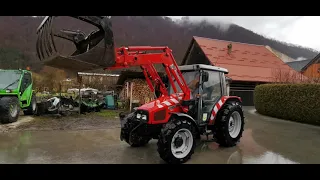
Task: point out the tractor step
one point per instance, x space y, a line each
210 140
207 133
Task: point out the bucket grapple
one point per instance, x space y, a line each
90 53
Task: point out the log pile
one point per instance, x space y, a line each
140 93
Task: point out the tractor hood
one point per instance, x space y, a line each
162 102
159 109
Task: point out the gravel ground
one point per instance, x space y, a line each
101 120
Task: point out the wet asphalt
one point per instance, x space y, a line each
265 141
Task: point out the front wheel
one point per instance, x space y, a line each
32 109
177 141
9 109
230 124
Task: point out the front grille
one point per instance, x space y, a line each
160 115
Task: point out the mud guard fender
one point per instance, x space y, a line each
188 118
232 98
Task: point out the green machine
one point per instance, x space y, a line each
110 100
16 94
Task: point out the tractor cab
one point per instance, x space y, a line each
9 80
14 82
207 85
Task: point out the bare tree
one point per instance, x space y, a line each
288 76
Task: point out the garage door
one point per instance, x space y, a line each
246 96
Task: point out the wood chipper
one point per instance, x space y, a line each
192 100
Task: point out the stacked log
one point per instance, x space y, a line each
140 93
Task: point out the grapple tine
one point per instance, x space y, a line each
51 36
88 55
38 48
41 43
45 42
44 46
48 36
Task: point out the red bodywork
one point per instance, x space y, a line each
159 110
141 56
218 106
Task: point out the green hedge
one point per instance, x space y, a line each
295 102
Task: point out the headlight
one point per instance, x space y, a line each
142 115
138 116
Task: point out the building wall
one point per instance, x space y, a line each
100 82
245 90
313 71
196 57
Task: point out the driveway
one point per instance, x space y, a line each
265 140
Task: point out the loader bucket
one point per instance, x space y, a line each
92 51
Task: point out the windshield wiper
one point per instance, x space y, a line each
11 84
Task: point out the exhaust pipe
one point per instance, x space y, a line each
88 55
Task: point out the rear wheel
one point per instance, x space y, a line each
9 109
177 141
32 109
230 124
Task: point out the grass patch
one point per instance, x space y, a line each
111 114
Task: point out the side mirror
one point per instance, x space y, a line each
205 76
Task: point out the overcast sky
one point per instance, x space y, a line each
300 30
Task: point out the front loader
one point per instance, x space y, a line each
16 94
191 100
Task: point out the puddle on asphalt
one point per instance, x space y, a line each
104 146
248 151
211 153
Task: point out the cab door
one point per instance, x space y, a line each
26 89
212 91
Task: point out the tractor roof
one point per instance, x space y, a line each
194 67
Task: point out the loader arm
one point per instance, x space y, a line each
141 56
109 57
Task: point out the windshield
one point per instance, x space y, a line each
9 77
192 79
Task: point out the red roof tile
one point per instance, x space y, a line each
246 62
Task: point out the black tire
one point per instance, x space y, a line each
166 136
5 105
98 109
221 132
135 140
32 109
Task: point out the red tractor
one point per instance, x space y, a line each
191 100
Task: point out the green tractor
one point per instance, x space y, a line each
16 94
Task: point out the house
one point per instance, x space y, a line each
312 69
249 65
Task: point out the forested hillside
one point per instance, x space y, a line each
18 37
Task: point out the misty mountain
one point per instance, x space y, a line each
18 37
